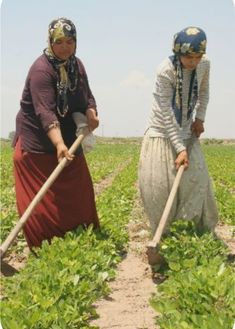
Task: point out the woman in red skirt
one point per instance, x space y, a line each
56 87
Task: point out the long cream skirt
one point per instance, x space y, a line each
195 198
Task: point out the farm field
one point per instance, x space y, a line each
62 286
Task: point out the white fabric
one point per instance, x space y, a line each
194 201
89 141
162 122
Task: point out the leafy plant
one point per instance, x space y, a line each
57 288
199 291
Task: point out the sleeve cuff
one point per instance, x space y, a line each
200 116
180 149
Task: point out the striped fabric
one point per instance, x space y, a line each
162 122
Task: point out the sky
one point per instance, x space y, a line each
121 44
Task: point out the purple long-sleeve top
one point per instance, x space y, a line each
38 107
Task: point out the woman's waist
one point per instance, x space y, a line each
34 138
157 131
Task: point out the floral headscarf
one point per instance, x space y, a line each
67 71
191 40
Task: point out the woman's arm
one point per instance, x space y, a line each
203 92
92 119
43 95
44 102
56 138
91 111
203 99
163 95
163 100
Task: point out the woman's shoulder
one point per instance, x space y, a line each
166 68
204 62
79 61
41 69
81 66
205 59
41 64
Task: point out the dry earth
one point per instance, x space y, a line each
127 307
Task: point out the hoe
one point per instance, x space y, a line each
13 234
153 246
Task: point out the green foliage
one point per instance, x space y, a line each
58 288
221 164
11 135
62 283
185 249
105 158
200 289
9 215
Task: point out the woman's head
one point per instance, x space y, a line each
62 38
190 45
191 40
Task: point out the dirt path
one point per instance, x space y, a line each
227 234
108 180
127 307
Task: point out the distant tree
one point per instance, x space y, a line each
11 135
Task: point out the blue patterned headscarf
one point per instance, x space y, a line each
189 41
67 71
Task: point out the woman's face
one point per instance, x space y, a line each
63 48
191 61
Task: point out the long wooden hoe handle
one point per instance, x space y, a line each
13 234
157 236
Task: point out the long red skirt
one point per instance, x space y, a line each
68 203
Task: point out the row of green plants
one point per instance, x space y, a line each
199 290
102 161
105 158
9 215
58 287
199 286
221 164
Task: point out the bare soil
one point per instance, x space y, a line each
107 181
127 307
227 234
128 304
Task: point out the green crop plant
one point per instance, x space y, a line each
200 288
57 288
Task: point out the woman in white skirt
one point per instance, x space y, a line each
181 95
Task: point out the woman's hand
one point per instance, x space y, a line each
182 159
62 152
197 127
56 138
92 119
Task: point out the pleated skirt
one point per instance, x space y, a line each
195 198
68 203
